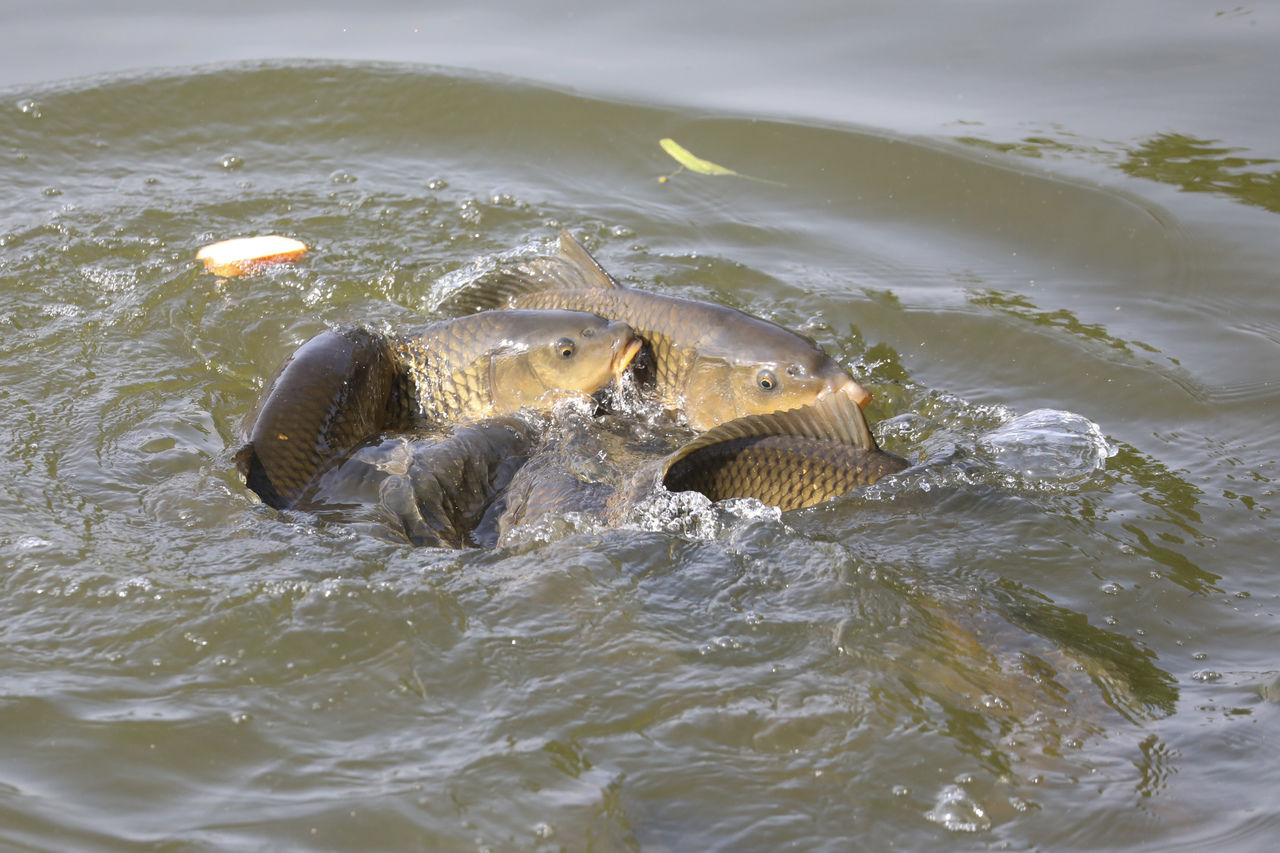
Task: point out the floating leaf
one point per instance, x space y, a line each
692 162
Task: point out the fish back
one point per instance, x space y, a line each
335 390
426 489
787 471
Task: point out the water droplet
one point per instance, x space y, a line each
470 211
30 107
1112 588
437 184
230 162
1019 804
994 703
51 191
342 176
956 811
1205 676
543 830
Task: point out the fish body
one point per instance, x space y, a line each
575 469
792 460
420 488
712 363
332 392
348 384
498 362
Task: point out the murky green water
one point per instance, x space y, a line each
1037 639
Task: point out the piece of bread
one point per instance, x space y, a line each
247 255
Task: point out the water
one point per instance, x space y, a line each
1047 244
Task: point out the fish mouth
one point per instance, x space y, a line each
847 386
622 359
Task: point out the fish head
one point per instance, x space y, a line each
722 389
561 354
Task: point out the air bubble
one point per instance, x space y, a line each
1049 445
956 811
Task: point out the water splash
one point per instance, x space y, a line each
1049 445
955 810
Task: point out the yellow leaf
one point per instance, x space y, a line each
693 163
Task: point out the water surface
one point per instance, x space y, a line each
1057 631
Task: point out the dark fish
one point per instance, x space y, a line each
575 469
424 489
335 390
712 363
346 385
791 459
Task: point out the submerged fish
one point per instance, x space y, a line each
712 363
332 392
791 459
346 385
427 490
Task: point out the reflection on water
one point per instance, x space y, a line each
1186 162
1021 306
1205 166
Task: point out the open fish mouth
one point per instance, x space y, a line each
847 386
622 359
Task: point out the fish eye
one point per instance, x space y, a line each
565 348
766 380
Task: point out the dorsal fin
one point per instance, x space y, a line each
572 268
577 268
836 417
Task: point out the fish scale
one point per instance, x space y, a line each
790 472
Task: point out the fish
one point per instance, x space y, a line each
791 460
498 362
576 468
335 390
420 488
348 384
711 363
604 468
